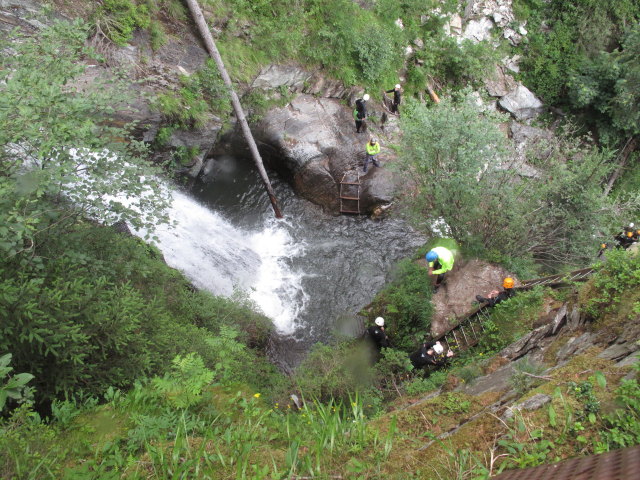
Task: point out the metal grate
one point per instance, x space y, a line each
617 465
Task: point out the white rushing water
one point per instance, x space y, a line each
220 257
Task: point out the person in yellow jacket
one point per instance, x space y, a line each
373 148
440 261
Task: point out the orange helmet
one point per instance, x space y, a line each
508 282
603 245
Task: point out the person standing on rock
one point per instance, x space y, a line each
377 334
440 261
397 98
372 149
430 353
360 112
495 296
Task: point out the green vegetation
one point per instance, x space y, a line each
405 305
126 372
457 159
118 19
582 55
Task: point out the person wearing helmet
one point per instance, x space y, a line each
495 296
397 90
377 334
372 149
360 113
627 236
430 353
440 261
604 246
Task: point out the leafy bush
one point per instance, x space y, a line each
520 381
456 159
406 306
15 386
118 19
183 386
615 282
334 372
623 425
420 385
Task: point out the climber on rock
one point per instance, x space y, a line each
372 149
440 261
377 335
495 296
360 113
430 353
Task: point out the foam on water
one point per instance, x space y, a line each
219 257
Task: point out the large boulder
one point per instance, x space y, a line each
456 297
521 103
314 143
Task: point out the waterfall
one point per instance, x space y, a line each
220 257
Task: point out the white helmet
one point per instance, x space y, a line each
438 348
365 97
397 86
631 225
379 321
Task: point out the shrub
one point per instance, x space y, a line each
406 306
118 19
334 372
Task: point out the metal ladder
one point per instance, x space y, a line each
466 333
350 192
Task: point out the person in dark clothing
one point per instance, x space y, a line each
377 334
360 112
397 98
495 297
603 248
430 353
627 237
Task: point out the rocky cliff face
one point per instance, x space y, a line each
312 140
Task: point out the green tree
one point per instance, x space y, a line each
463 175
61 157
609 86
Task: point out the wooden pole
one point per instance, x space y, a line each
235 101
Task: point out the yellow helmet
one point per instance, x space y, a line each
629 234
508 282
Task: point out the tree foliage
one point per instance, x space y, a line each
60 158
609 85
464 175
583 56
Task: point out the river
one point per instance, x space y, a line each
310 272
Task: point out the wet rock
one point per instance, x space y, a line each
521 103
512 64
457 296
454 26
533 403
575 319
497 381
313 141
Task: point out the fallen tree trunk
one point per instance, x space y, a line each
235 101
